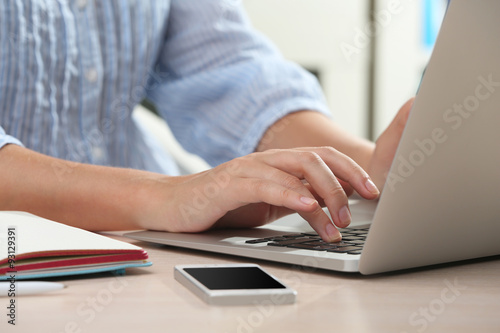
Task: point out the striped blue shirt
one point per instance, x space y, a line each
71 73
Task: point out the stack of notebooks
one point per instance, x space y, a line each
32 247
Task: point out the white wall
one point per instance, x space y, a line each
401 55
334 37
312 33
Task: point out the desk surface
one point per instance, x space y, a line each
451 298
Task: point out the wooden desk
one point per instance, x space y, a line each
452 298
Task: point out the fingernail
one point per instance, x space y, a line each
307 200
345 216
333 234
370 186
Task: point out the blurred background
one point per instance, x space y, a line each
369 55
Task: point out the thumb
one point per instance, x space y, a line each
393 132
399 122
386 145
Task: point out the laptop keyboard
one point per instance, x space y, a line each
352 241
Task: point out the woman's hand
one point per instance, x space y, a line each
258 188
245 192
386 145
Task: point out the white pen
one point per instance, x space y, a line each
20 288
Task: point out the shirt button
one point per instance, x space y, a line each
97 154
81 4
91 75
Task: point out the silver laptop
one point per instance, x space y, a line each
441 201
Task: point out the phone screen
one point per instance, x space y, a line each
220 278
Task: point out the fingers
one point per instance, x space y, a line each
311 167
347 170
403 114
398 123
293 179
387 145
315 165
347 187
280 188
256 190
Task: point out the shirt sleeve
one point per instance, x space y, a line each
220 84
7 139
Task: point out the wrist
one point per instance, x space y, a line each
156 201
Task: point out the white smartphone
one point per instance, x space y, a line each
234 284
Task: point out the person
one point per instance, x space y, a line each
72 72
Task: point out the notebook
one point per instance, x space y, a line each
32 247
440 201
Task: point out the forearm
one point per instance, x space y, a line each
254 189
313 129
81 195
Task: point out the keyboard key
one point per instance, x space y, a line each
344 249
347 231
354 252
267 239
290 241
304 246
342 243
357 242
319 243
351 238
359 228
277 239
313 234
307 246
256 241
359 232
347 234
